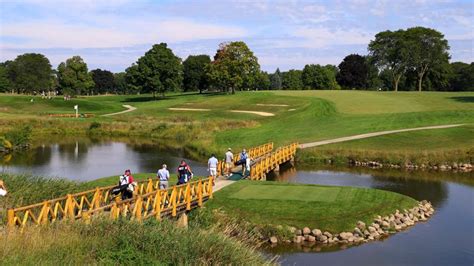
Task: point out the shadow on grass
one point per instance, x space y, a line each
160 98
464 99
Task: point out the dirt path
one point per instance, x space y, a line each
253 112
129 109
220 183
373 134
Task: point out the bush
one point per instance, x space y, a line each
19 137
94 125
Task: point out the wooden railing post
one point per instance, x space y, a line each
11 217
187 196
157 206
69 207
137 210
209 187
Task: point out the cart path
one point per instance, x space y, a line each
373 134
129 109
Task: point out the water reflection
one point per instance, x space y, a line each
87 159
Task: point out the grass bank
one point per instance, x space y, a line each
303 116
439 146
108 242
330 208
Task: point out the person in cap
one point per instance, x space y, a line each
229 162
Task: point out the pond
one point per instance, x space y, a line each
446 239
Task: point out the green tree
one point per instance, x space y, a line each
462 77
5 84
390 51
427 48
263 81
291 80
104 81
73 77
353 72
275 80
120 83
234 67
30 73
133 79
159 70
319 77
194 73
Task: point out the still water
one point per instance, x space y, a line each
446 239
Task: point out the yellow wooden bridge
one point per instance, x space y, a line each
148 200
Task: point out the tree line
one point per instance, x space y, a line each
412 59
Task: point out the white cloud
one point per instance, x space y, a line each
323 37
55 34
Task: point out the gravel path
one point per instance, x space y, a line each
373 134
129 109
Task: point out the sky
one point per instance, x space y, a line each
113 34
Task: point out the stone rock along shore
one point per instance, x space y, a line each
362 233
458 167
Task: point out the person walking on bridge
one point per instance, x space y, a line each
184 173
243 161
164 175
229 162
212 166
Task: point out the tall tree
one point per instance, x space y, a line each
390 51
275 80
319 77
160 70
30 73
195 73
263 81
291 80
120 83
73 76
234 67
427 48
133 79
462 76
5 84
353 72
104 81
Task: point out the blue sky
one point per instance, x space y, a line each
287 34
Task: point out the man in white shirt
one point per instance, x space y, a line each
164 175
212 166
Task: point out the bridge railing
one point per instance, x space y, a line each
254 152
70 206
269 162
159 203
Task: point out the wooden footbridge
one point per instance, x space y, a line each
148 200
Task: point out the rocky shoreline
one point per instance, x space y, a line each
362 233
456 167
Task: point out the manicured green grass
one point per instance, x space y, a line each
329 208
437 146
309 116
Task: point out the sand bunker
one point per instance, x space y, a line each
189 109
271 104
253 112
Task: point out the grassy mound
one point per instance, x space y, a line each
123 243
330 208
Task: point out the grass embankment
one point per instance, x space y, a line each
330 208
114 242
437 146
302 116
